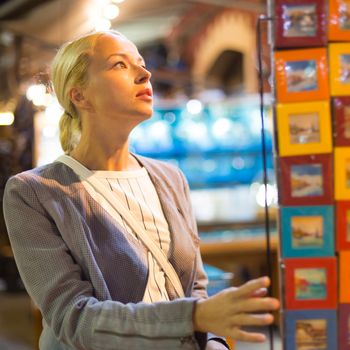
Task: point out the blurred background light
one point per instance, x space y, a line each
6 118
194 106
102 24
111 11
35 92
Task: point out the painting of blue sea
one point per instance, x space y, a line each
310 284
306 180
301 75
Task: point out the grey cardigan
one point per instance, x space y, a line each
87 276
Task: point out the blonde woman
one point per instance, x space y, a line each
91 275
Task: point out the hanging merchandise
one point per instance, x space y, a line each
300 23
307 180
312 95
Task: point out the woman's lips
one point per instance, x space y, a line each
145 94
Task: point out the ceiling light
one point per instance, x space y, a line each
111 11
6 118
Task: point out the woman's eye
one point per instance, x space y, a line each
120 64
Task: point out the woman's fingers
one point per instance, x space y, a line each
259 293
252 319
256 305
251 287
240 335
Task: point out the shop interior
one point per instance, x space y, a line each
203 59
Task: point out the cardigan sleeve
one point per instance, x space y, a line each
66 299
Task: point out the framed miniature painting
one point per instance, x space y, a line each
344 276
344 326
304 128
306 180
300 23
342 173
311 329
339 63
341 118
307 231
301 75
343 225
339 20
311 283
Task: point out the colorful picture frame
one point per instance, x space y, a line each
306 180
339 72
341 118
304 128
344 327
307 231
311 283
300 23
343 225
301 75
344 276
339 21
342 173
311 329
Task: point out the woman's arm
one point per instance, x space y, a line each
66 299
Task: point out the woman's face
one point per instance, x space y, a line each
118 83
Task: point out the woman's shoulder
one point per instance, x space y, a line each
53 170
42 178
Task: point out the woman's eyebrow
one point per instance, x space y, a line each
140 59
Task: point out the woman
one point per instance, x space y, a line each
95 283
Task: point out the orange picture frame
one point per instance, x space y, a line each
342 173
338 22
339 69
304 128
301 75
344 277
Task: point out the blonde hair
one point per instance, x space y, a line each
69 69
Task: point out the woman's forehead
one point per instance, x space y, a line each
109 44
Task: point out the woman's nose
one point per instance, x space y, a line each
143 76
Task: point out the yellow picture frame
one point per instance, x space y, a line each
304 128
342 173
339 69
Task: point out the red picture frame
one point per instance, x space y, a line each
311 283
343 328
300 23
342 225
341 118
306 180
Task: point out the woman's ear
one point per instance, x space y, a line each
78 99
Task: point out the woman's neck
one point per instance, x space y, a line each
103 156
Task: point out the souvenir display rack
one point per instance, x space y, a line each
311 63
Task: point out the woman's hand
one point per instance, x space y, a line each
226 312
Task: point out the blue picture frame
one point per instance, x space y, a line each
309 323
307 231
